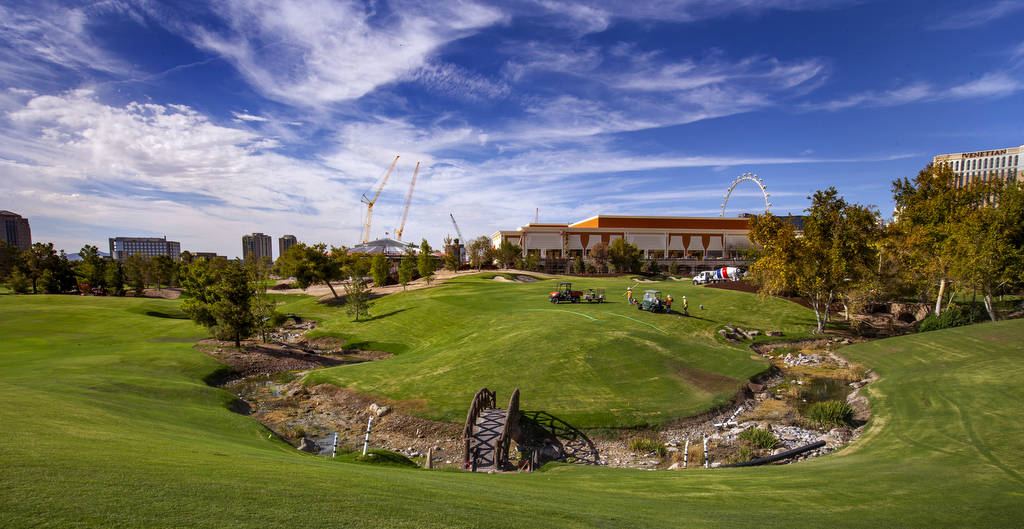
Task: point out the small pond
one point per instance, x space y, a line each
820 389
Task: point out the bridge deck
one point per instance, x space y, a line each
488 428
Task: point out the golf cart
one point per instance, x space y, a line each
652 302
594 295
564 292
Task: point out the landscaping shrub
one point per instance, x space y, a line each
745 454
760 438
642 445
831 412
953 316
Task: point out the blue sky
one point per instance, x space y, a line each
203 122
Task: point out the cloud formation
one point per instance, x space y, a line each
318 52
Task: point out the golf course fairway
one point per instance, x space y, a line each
106 422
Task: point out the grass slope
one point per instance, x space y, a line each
106 423
593 365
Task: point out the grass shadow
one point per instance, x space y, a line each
546 438
171 315
382 316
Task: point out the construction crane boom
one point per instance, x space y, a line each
369 203
462 242
408 200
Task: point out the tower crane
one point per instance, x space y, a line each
408 200
370 202
462 242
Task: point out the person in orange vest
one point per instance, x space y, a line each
668 302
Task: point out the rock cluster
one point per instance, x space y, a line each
802 360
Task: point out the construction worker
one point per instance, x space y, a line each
668 302
629 295
685 307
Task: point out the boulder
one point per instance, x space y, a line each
675 466
308 446
379 410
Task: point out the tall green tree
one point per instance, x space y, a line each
163 270
425 264
309 265
198 281
624 256
357 297
834 253
232 309
113 278
9 258
137 271
480 252
92 269
508 254
40 258
985 248
263 310
926 213
380 268
406 268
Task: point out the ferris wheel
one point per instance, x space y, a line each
749 177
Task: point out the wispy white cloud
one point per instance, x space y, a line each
454 81
991 85
245 116
40 42
995 84
320 52
978 14
583 17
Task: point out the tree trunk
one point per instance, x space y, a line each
816 305
238 340
988 305
330 286
938 299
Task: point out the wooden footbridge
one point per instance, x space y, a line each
489 431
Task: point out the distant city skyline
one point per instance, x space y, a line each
209 120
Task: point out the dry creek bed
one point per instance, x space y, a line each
267 377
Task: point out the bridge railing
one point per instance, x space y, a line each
483 399
501 444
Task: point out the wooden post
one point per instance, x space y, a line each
428 464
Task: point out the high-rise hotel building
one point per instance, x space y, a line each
285 242
257 244
122 247
15 230
980 165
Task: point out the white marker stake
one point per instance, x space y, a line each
686 453
706 453
334 449
366 441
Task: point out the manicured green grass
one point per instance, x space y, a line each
106 423
592 365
